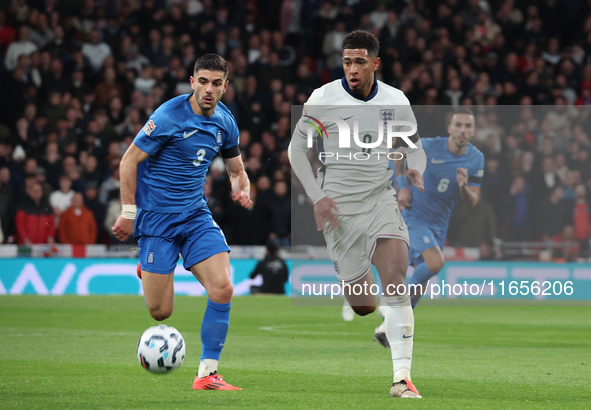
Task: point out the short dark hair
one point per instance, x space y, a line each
211 62
464 111
362 39
272 247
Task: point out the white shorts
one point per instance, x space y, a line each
352 246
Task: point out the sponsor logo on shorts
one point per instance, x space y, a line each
336 267
149 127
426 239
150 257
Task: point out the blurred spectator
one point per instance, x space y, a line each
110 187
77 224
91 172
333 50
35 222
23 46
61 199
96 51
92 203
41 34
552 214
7 210
581 219
472 226
568 248
106 89
249 226
280 215
145 82
41 179
7 33
273 270
518 226
487 252
582 163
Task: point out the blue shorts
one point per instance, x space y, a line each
162 236
422 237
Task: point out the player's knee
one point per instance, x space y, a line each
160 314
436 264
222 293
364 310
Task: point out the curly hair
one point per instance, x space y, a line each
362 39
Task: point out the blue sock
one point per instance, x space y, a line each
421 276
214 329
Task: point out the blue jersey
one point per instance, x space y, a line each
442 192
181 145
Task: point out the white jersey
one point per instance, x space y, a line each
353 176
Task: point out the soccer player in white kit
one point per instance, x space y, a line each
354 203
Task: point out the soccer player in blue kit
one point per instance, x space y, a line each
454 170
162 179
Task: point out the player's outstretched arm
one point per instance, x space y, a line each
128 175
238 181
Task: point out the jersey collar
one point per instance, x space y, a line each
372 94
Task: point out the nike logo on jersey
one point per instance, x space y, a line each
407 337
185 135
345 119
437 161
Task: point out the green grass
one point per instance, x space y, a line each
79 352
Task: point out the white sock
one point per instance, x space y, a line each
399 331
346 303
381 328
207 367
382 307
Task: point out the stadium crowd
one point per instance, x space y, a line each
79 80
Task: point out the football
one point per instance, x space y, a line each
161 349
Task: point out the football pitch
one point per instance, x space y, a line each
79 352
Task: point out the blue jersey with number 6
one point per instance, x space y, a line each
181 145
442 192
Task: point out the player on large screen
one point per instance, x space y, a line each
454 170
354 203
162 179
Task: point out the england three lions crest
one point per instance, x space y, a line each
387 115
